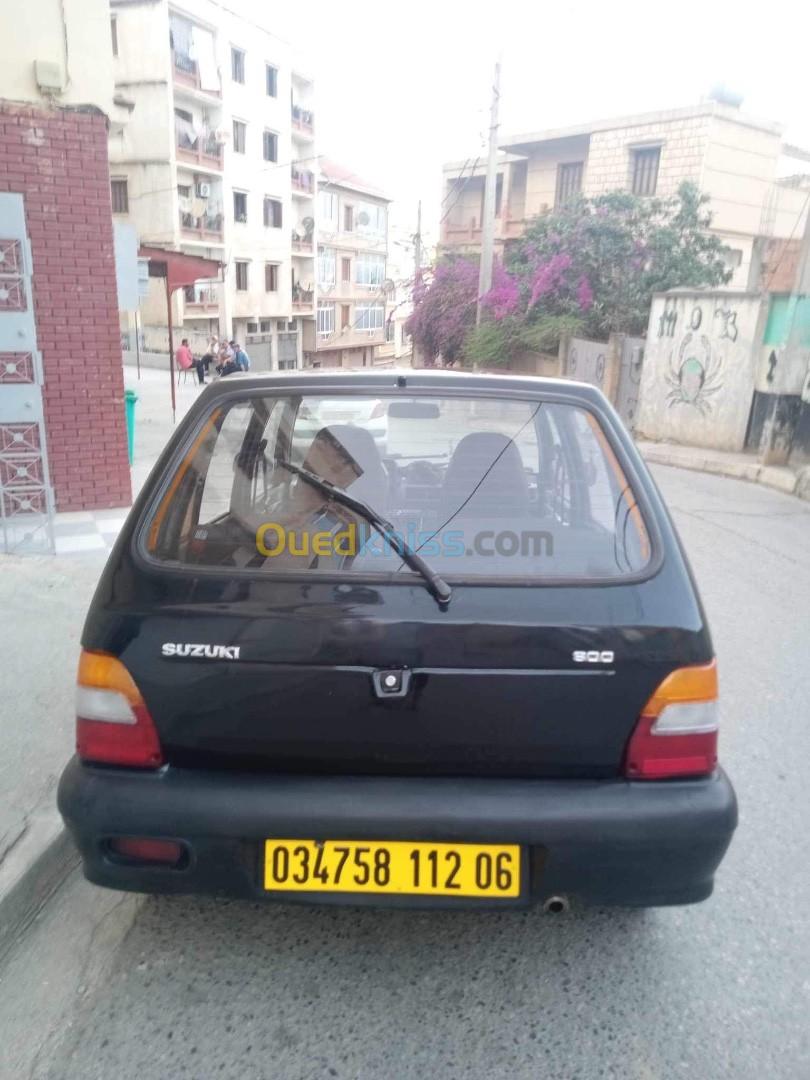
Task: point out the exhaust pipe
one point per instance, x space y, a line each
556 905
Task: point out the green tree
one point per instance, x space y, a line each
601 259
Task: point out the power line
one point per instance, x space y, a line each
452 205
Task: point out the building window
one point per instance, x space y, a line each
241 275
184 191
326 266
237 65
114 34
327 207
240 206
239 136
119 194
272 213
369 317
326 318
270 146
371 219
345 317
266 326
271 80
390 329
645 170
345 269
348 219
271 277
252 328
369 269
569 182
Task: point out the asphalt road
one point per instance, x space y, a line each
113 986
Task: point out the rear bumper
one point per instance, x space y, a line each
604 842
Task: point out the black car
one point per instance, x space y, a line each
459 661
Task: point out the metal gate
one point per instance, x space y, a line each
627 388
26 497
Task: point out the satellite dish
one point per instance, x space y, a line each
309 224
363 218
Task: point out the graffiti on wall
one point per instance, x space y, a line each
695 373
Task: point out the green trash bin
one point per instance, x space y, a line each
130 397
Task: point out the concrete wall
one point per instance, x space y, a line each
541 172
699 366
57 160
73 35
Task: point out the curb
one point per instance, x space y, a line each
775 477
31 873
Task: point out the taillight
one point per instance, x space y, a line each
146 850
113 725
380 409
676 734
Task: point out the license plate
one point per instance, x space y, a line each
393 867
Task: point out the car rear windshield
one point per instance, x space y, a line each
480 487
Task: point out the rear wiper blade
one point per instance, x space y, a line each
437 586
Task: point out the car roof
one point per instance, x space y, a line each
390 379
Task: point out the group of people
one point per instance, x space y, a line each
226 357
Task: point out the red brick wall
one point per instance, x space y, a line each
57 160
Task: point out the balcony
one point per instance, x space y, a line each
303 182
303 122
207 227
200 302
204 150
302 245
187 73
302 299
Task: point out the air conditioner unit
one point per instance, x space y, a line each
203 190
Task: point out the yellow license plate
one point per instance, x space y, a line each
392 867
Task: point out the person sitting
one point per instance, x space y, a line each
183 356
241 357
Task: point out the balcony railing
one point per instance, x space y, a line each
302 299
205 227
303 181
200 301
303 120
204 150
302 245
187 72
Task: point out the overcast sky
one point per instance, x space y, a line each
403 87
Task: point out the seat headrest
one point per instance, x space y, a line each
348 457
493 462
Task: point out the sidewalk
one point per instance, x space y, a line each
44 600
790 480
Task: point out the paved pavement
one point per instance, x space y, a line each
155 988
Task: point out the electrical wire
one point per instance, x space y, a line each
452 205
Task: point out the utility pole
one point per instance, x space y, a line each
417 246
488 223
417 270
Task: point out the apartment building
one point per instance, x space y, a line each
732 157
216 160
351 277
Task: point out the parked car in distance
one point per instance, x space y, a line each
466 668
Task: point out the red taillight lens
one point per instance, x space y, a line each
676 734
113 725
145 849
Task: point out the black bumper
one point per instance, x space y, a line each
604 842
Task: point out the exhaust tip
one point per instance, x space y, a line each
556 905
